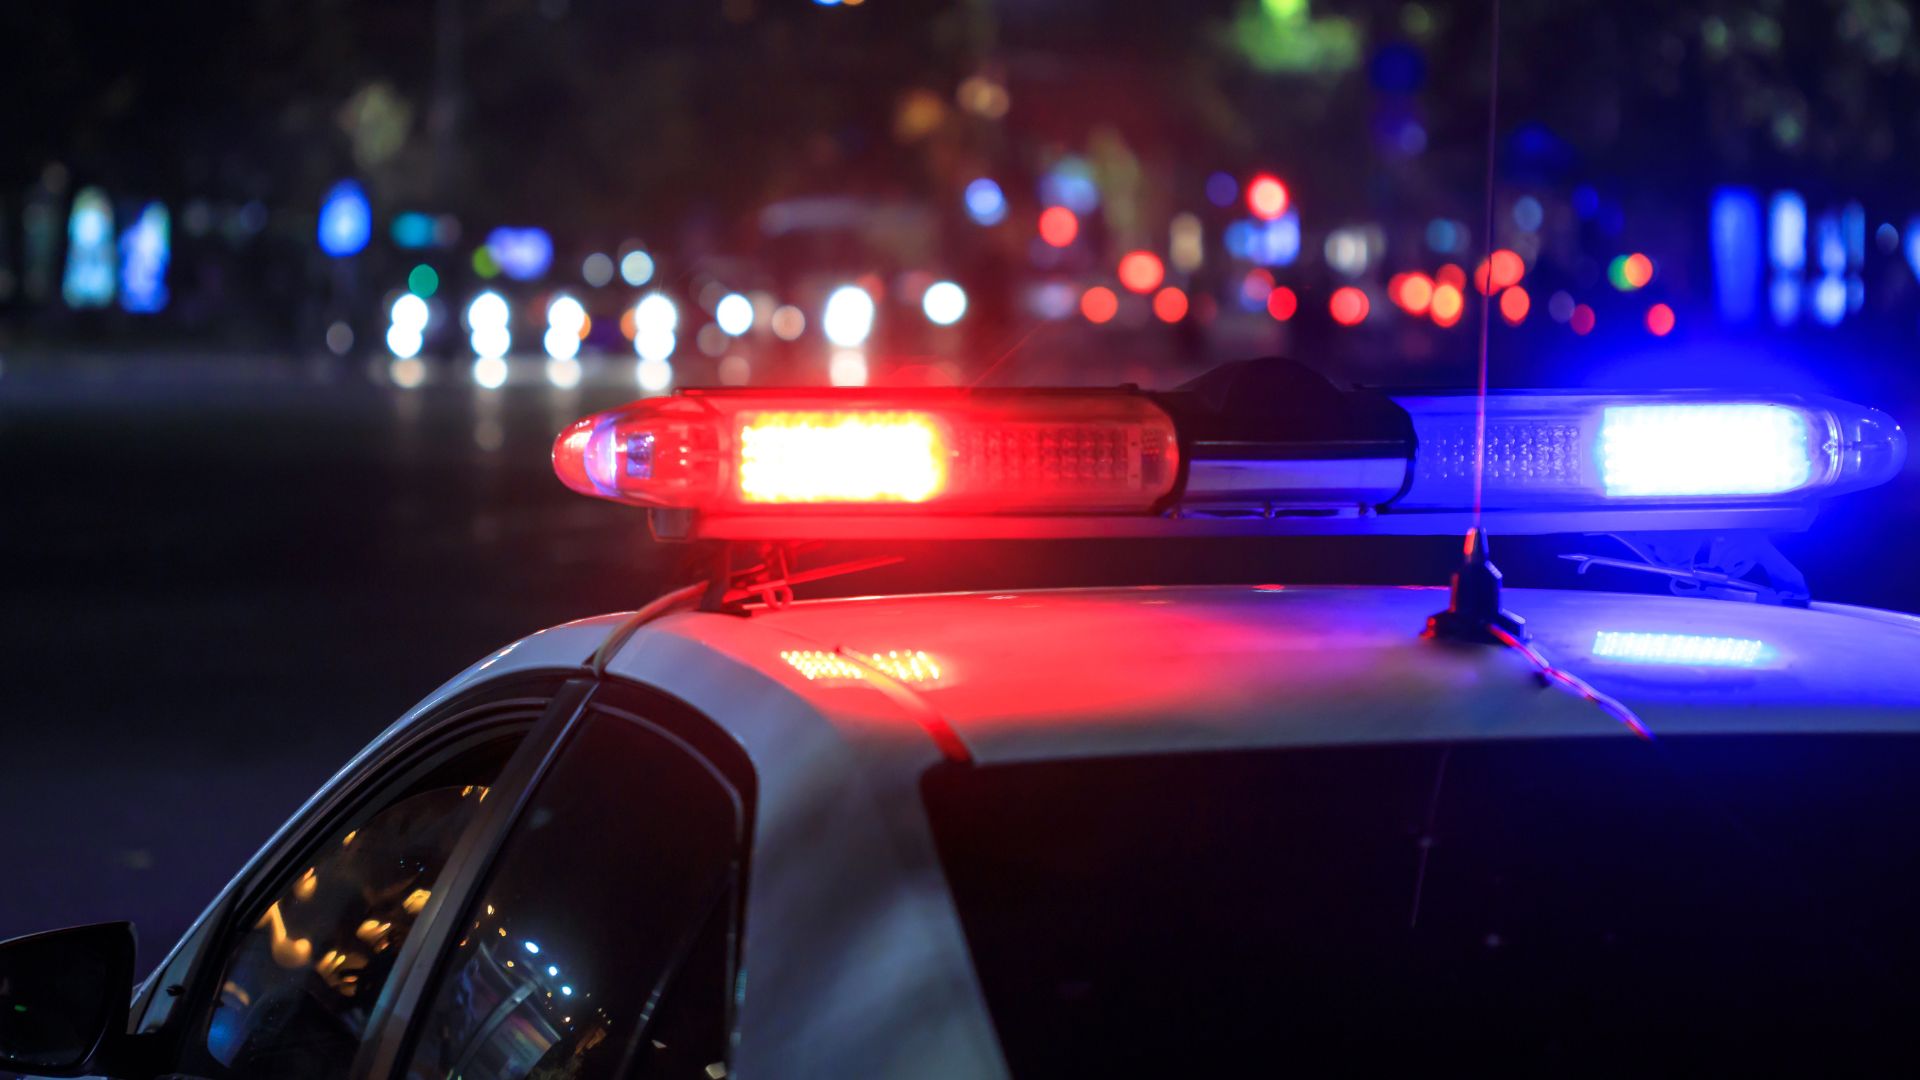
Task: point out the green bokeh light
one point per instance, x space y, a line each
424 281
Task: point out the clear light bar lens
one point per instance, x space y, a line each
1689 649
1701 449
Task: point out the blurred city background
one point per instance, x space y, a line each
295 293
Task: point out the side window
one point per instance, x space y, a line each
617 878
299 981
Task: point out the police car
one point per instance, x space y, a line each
1157 831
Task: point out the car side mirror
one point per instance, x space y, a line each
64 996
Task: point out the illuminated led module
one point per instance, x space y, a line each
1741 449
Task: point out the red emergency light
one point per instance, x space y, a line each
936 451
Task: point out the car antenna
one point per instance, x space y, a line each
1474 613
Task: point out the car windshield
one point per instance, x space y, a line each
1726 905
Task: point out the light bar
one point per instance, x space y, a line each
1221 457
979 452
1553 450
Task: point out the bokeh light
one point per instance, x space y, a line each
847 367
788 322
944 303
847 319
1348 306
1141 271
1507 270
1412 292
1059 226
1514 303
636 268
733 314
1581 320
1448 304
423 280
654 374
490 372
986 203
1660 320
1282 303
1267 197
596 269
1099 304
1170 305
564 371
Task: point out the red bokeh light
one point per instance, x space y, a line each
1058 226
1582 319
1099 304
1660 320
1508 269
1267 197
1348 306
1514 304
1451 274
1170 305
1141 271
1281 303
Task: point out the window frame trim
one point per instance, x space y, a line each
450 727
397 1020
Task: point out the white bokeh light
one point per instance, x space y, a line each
490 341
407 372
410 311
944 303
847 367
487 309
563 372
654 374
734 314
490 372
848 317
403 341
565 312
562 343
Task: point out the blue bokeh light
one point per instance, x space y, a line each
346 220
986 203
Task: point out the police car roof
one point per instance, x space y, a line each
1004 677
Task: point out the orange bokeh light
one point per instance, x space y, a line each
627 327
1141 271
1660 320
1514 303
1348 306
1170 305
1058 226
1267 197
1581 320
1099 304
1281 303
1638 270
1448 302
1412 291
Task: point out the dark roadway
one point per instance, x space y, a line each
217 592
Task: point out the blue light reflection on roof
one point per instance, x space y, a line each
1697 650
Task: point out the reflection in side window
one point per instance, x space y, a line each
301 979
608 884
